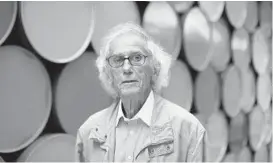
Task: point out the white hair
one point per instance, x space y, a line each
162 61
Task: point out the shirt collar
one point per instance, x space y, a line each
145 113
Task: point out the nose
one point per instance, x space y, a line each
127 67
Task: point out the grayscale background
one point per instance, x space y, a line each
49 83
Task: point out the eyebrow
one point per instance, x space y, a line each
143 51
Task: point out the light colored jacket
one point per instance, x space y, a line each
175 136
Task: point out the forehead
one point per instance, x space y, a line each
128 42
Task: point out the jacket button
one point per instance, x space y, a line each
105 136
97 129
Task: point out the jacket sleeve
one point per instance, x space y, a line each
197 147
79 150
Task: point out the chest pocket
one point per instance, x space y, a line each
160 146
160 149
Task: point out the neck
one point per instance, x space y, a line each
132 104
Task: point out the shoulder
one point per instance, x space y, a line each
182 120
96 119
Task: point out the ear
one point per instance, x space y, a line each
108 75
156 69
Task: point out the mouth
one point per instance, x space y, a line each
129 81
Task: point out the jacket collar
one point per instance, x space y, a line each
104 131
145 113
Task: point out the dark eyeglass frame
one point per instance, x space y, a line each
127 58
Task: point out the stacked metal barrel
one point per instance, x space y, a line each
49 83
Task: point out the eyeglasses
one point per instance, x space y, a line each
116 61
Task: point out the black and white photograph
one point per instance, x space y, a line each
136 81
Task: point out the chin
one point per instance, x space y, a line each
129 91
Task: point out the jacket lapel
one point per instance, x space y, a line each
104 133
161 130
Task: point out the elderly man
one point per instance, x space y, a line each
140 125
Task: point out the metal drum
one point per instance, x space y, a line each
261 51
265 13
217 129
264 90
50 148
230 157
232 91
257 127
261 155
244 155
25 98
240 46
268 116
248 90
59 31
221 48
181 6
236 12
8 12
110 14
238 128
198 39
161 22
201 118
252 16
207 92
180 89
270 152
212 9
79 93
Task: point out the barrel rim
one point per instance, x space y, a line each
49 105
40 141
178 42
77 54
12 23
210 49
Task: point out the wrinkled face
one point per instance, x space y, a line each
131 79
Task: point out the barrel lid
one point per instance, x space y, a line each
265 13
232 91
270 152
230 157
244 155
25 98
238 128
197 32
261 155
217 129
257 127
79 93
8 12
181 6
236 12
252 16
180 88
261 51
248 90
202 119
212 9
264 88
268 117
110 14
162 23
46 27
50 147
240 46
221 49
207 92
